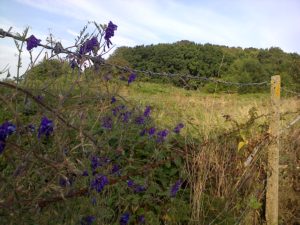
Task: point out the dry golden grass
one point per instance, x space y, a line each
202 113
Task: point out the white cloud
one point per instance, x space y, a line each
75 34
235 23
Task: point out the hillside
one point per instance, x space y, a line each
206 60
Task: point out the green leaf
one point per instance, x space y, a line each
168 164
178 162
254 203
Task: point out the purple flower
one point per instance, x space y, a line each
99 182
140 120
85 173
107 123
95 162
113 100
65 151
73 64
131 78
130 183
162 135
40 98
32 42
87 220
46 127
110 32
147 111
139 188
126 116
143 132
124 219
89 45
135 187
115 169
178 128
117 109
141 219
31 128
175 188
7 128
151 131
3 134
63 181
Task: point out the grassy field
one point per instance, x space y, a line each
202 113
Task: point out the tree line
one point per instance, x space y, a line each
233 64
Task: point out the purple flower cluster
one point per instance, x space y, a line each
175 188
99 182
107 123
125 116
97 162
178 128
85 173
135 187
131 78
124 219
110 32
46 127
151 131
32 42
89 45
118 109
162 135
140 120
147 111
6 129
115 169
113 100
64 182
88 220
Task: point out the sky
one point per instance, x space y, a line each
235 23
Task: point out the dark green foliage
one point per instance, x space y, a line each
49 69
212 61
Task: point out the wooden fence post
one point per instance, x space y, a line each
273 155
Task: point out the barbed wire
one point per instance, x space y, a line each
292 123
189 76
101 61
98 60
290 91
265 141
